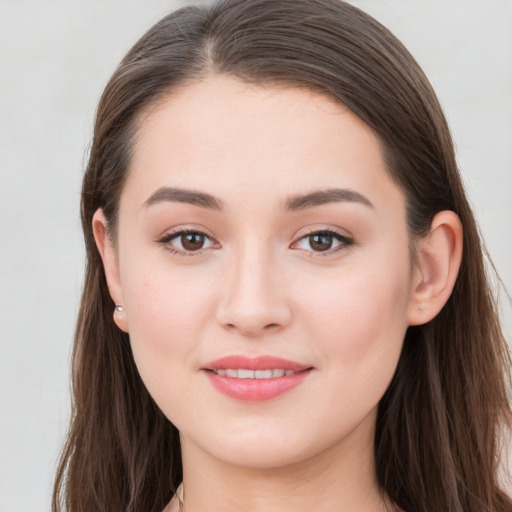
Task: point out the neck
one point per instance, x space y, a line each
341 478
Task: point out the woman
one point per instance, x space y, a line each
285 305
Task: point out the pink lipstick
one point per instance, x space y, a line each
255 379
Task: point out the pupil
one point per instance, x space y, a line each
320 242
192 241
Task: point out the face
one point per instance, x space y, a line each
263 263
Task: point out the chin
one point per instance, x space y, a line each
265 445
262 455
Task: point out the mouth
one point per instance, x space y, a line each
243 373
255 379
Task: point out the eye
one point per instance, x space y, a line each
326 240
187 241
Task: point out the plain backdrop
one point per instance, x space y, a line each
55 58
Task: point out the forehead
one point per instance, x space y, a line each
237 139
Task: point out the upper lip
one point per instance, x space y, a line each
255 363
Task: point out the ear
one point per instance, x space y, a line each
438 257
111 266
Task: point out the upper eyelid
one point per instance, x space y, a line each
312 231
174 232
331 230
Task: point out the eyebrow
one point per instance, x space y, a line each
320 197
182 195
293 203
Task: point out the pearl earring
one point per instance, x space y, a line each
119 309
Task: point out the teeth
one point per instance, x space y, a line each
263 374
241 373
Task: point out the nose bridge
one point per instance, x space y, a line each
254 299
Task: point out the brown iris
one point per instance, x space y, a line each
320 241
192 241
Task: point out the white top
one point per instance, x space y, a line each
174 505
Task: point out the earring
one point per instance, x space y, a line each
120 318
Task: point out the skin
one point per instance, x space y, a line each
258 286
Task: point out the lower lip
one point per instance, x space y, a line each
256 390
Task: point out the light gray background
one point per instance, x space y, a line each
55 58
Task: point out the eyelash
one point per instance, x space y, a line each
344 240
166 239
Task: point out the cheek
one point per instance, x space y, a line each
167 312
370 297
164 300
360 323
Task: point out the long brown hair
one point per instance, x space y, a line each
437 443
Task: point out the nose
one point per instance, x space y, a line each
254 296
